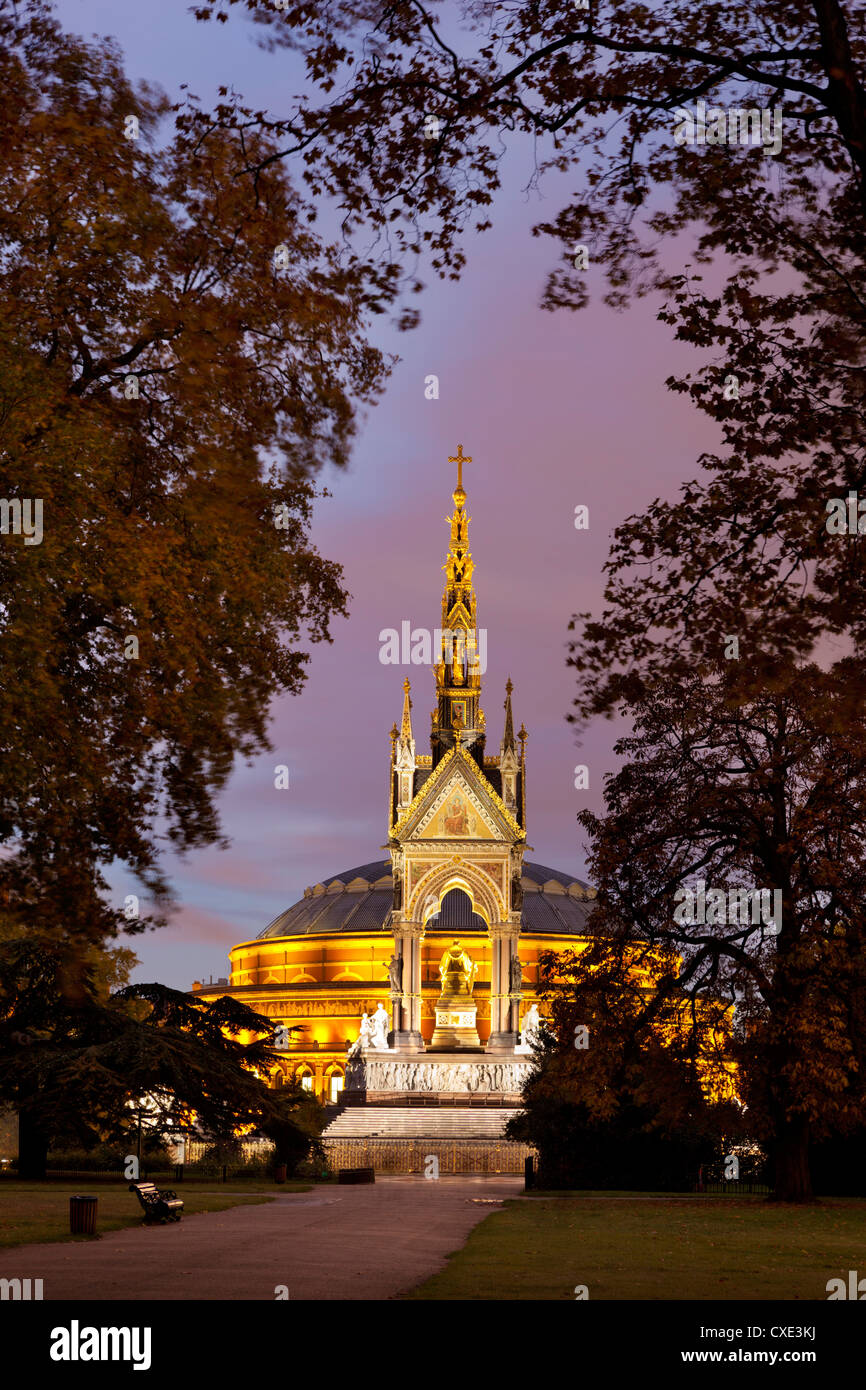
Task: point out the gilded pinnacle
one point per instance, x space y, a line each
406 721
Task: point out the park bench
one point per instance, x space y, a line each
158 1205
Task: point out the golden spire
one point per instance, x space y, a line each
458 600
403 763
458 674
406 721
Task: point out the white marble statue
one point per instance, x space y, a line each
380 1025
531 1033
364 1037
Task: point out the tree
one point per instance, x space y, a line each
414 117
78 1072
733 839
176 363
623 1095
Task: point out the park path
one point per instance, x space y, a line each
354 1242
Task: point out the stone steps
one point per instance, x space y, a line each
417 1122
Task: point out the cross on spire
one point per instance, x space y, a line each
460 460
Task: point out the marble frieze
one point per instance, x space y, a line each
430 1075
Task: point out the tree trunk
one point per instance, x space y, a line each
32 1147
845 95
793 1178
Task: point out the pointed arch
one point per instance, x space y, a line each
429 891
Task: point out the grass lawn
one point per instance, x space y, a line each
37 1211
657 1248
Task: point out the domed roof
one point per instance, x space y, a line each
360 900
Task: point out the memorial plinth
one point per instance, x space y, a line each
377 1078
456 1025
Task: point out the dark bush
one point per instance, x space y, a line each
839 1166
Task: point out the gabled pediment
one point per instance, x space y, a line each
457 813
457 803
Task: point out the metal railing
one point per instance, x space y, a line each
411 1155
733 1188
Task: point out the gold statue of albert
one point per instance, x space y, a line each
457 971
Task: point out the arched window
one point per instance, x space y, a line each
304 1077
336 1081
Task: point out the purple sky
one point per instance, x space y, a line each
555 410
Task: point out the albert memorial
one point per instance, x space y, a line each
410 982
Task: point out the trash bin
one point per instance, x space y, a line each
528 1174
82 1215
280 1172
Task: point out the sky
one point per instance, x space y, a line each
556 410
